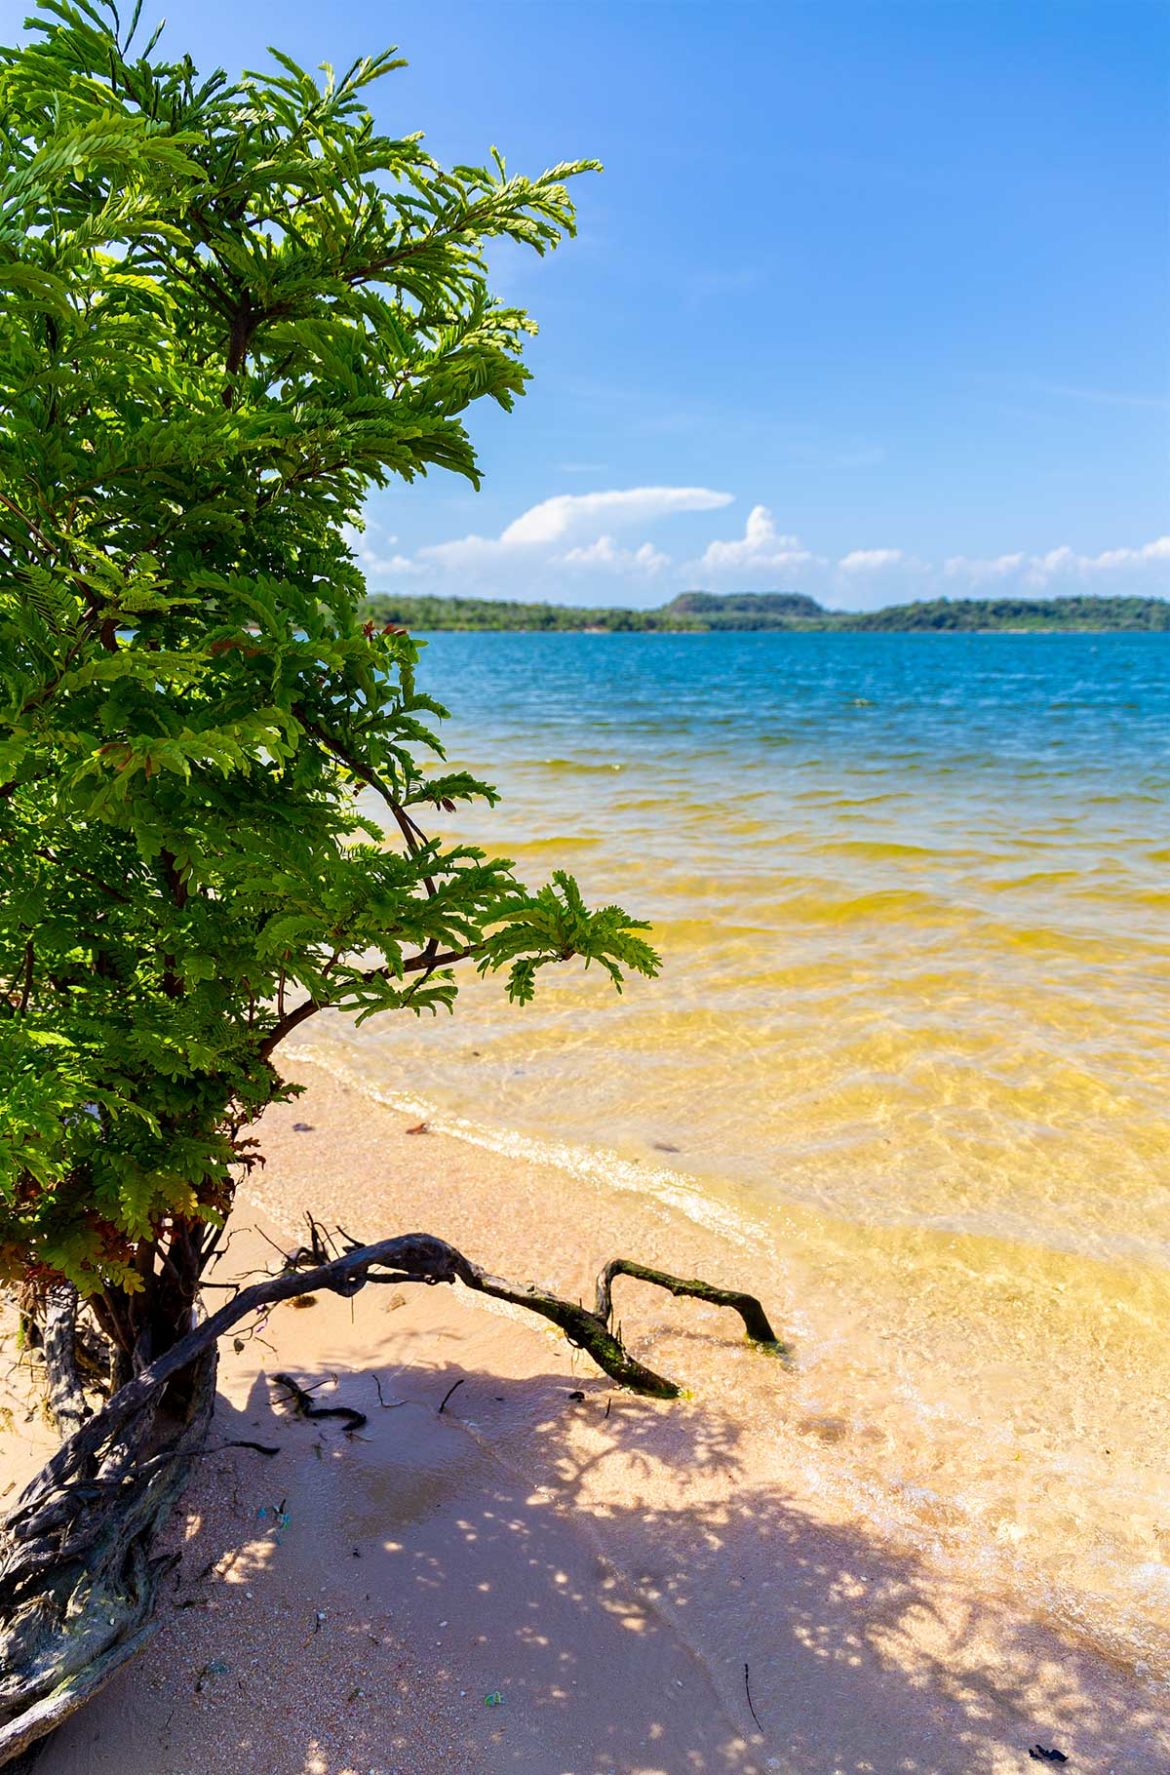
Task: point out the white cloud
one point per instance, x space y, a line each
568 515
1041 568
470 552
1158 550
576 519
1059 565
604 553
388 564
869 560
999 567
373 563
761 545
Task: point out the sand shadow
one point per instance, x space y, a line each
405 1600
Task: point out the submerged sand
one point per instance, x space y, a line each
536 1583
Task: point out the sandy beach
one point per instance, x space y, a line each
548 1577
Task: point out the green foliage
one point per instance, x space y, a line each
485 614
1078 614
228 310
693 611
554 925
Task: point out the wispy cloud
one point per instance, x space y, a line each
1011 388
568 514
1105 397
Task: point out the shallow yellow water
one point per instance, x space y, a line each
913 1026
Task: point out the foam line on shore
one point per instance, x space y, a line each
599 1165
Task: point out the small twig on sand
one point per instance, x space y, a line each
747 1689
453 1388
301 1401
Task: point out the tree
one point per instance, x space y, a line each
229 311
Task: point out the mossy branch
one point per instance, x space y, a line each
755 1321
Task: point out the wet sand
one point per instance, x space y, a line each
605 1566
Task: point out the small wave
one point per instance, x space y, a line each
831 798
890 904
555 842
596 1163
578 766
887 850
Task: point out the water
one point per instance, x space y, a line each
912 895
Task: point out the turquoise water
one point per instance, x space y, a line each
1037 707
912 896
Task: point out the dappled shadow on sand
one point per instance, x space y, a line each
361 1604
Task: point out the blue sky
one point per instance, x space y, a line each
871 300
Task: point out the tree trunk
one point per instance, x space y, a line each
66 1394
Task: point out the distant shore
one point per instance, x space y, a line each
781 612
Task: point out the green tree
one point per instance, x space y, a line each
229 310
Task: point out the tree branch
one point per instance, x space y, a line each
414 964
290 1021
372 780
410 1255
26 984
755 1320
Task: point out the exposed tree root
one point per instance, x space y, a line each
66 1394
78 1570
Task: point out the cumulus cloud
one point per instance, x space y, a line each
761 545
605 553
1059 565
1158 550
869 560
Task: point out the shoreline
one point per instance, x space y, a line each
608 1565
996 1406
